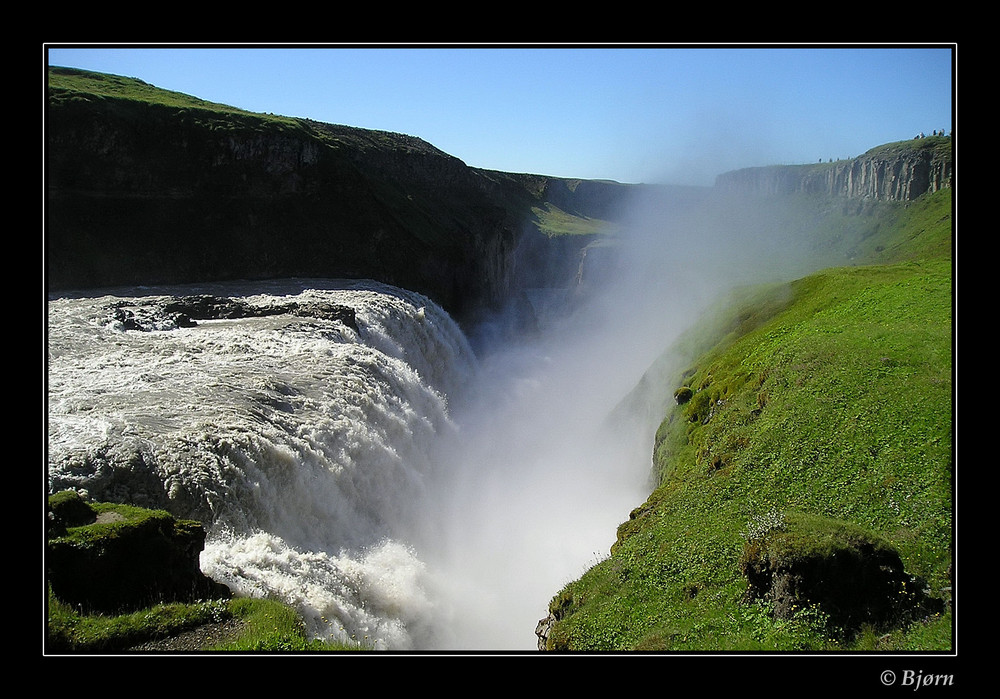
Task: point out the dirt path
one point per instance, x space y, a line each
195 639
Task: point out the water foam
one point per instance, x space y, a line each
397 490
306 446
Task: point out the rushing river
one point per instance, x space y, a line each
377 475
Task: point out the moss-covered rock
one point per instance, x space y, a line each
850 576
113 558
67 509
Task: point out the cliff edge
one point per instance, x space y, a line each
900 171
146 186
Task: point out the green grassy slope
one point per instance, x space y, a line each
262 625
834 399
552 221
74 85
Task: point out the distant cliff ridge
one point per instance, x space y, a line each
899 171
148 187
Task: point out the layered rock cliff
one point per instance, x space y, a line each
899 171
150 187
146 186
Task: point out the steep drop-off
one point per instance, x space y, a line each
804 465
899 171
145 186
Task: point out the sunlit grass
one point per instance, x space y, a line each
72 83
554 222
831 396
267 625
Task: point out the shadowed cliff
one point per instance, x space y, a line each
146 186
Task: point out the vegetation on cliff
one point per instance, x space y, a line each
242 624
899 171
808 411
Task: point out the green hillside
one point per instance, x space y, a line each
71 84
819 424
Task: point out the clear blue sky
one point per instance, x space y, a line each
632 114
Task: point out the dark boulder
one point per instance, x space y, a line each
683 394
117 558
186 311
850 576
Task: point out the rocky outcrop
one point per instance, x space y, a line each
186 311
832 569
142 194
894 172
115 558
543 629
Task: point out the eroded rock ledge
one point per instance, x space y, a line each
847 575
186 311
117 558
893 172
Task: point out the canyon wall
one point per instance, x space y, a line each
899 171
148 187
147 191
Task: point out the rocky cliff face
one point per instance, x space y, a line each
145 192
894 172
165 189
140 195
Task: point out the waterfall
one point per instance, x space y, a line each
378 476
305 445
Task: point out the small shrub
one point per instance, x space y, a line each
760 526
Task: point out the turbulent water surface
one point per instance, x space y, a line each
377 475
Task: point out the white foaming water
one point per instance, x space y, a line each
384 482
304 445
